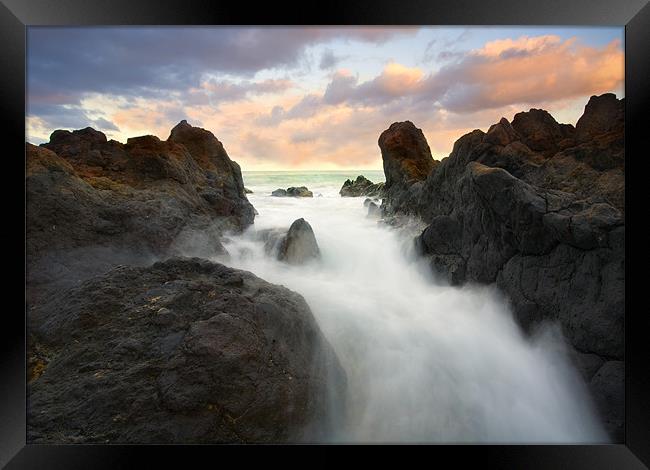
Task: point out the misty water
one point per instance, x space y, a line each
426 362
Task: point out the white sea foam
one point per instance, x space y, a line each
425 362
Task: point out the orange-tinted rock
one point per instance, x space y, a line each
603 114
407 160
93 203
405 153
540 131
501 133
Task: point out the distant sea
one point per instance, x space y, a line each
327 183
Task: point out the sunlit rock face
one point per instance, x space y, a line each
407 162
93 203
183 351
536 207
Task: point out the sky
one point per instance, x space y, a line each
282 98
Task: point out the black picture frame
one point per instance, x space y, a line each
16 15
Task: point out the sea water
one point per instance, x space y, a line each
425 361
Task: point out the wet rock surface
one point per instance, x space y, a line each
536 207
183 351
297 245
361 186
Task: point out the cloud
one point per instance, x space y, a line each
272 116
307 107
133 60
104 125
510 71
215 91
328 60
48 117
395 81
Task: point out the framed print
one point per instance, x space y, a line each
382 224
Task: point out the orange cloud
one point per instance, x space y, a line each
534 70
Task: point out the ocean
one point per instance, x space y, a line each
425 361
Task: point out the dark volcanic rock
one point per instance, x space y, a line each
93 203
299 244
300 191
184 351
603 114
609 386
540 131
537 208
362 186
407 161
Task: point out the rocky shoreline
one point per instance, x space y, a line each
129 344
537 208
133 337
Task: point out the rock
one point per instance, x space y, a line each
301 191
407 161
609 386
361 187
603 114
248 191
540 131
93 203
183 351
538 209
299 244
373 210
272 238
405 153
501 133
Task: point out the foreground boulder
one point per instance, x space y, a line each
294 246
299 244
184 351
300 191
536 207
94 203
362 186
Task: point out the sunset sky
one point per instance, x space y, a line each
311 98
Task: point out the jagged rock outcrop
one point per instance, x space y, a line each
361 186
183 351
300 191
407 163
94 203
536 207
